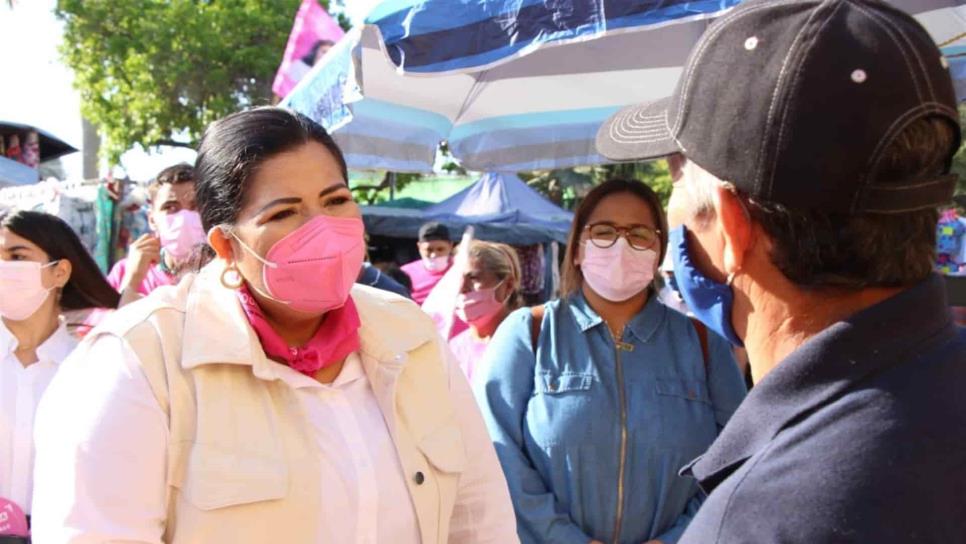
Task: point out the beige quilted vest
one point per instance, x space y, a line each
240 467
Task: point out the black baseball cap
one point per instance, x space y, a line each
433 231
794 102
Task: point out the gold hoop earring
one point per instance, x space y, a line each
239 280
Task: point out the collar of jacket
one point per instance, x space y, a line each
386 335
642 326
825 368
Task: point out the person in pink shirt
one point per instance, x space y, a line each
436 258
490 291
157 258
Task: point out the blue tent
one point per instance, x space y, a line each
499 206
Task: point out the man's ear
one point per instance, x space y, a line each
220 242
736 228
151 223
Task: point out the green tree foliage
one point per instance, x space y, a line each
653 173
157 72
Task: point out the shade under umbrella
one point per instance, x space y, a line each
510 85
51 147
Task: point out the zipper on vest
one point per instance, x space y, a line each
619 346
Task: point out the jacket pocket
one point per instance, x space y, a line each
444 449
692 390
215 478
550 383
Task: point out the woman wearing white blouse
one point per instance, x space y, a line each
266 399
44 270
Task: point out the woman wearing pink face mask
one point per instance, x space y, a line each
267 398
597 400
44 272
490 291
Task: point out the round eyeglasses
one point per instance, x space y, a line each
605 235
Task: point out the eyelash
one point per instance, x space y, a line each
282 215
337 201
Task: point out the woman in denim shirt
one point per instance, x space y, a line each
594 413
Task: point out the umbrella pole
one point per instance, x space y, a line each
392 186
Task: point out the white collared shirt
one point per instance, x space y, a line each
20 391
366 497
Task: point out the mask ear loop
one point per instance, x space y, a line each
253 253
53 263
744 210
234 267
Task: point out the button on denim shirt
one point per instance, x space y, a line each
556 420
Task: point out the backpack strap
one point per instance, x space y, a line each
536 322
702 331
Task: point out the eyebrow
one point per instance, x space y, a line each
295 200
613 224
16 248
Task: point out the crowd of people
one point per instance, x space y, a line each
254 379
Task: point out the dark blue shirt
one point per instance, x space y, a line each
373 277
857 436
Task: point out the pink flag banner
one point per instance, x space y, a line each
313 26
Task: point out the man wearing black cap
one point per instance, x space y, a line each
810 143
435 251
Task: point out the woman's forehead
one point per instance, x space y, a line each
305 170
622 209
10 240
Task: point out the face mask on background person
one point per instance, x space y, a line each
618 272
312 269
436 264
22 290
180 233
478 306
710 301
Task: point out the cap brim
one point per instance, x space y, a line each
639 132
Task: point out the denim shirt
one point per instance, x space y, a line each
556 420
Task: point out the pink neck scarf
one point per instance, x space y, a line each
337 337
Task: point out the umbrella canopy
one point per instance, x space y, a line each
511 85
51 147
500 207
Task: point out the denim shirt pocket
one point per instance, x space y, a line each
561 409
692 390
553 383
686 417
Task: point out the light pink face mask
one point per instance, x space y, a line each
475 307
312 269
180 233
22 290
619 272
436 264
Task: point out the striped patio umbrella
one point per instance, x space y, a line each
516 85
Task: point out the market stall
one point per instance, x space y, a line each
23 148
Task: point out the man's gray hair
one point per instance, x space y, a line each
817 249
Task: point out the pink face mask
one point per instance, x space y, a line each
618 272
313 268
180 233
22 291
436 264
478 306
